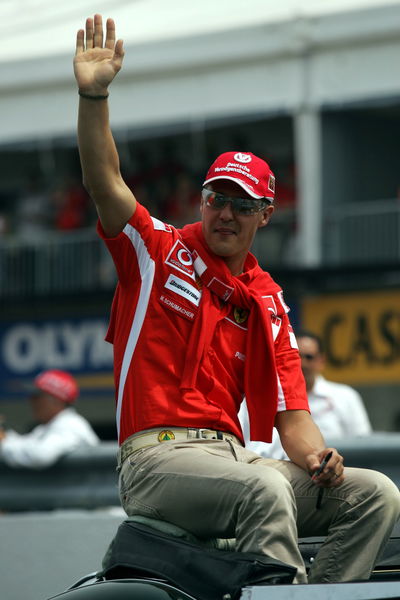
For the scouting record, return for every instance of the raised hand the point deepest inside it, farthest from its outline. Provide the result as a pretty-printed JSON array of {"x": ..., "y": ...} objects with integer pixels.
[{"x": 97, "y": 61}]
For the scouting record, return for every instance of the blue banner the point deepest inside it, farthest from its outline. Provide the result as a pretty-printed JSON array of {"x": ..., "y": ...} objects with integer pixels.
[{"x": 74, "y": 345}]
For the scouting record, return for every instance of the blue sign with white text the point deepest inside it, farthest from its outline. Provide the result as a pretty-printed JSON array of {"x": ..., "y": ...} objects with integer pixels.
[{"x": 74, "y": 345}]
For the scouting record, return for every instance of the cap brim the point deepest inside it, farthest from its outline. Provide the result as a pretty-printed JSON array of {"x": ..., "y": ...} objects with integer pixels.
[{"x": 239, "y": 182}]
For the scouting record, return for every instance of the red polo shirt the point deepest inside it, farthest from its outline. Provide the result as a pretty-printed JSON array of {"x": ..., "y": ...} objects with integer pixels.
[{"x": 154, "y": 306}]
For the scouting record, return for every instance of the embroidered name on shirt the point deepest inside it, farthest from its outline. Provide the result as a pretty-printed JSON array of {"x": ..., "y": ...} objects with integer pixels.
[
  {"x": 184, "y": 312},
  {"x": 184, "y": 289}
]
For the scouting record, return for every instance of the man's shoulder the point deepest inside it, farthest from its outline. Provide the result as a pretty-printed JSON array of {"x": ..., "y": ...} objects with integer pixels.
[
  {"x": 70, "y": 420},
  {"x": 68, "y": 416}
]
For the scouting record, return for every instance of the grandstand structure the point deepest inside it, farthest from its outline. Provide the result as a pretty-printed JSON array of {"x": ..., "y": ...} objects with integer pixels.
[{"x": 314, "y": 87}]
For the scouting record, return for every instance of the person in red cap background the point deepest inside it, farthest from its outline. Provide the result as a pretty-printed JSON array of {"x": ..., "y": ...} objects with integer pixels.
[
  {"x": 61, "y": 429},
  {"x": 196, "y": 325}
]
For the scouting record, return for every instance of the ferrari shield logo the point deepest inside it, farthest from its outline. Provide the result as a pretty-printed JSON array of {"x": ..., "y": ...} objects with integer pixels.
[
  {"x": 165, "y": 436},
  {"x": 240, "y": 314}
]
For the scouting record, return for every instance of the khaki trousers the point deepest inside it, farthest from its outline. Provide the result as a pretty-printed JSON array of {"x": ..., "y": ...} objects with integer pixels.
[{"x": 217, "y": 488}]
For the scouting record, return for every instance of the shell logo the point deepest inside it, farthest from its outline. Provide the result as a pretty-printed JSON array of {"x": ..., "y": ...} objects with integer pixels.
[{"x": 166, "y": 435}]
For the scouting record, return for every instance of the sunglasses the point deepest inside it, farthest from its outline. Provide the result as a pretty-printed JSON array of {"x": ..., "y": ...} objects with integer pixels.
[
  {"x": 240, "y": 206},
  {"x": 308, "y": 356}
]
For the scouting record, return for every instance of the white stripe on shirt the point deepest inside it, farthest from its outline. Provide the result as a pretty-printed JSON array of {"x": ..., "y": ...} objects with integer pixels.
[{"x": 147, "y": 270}]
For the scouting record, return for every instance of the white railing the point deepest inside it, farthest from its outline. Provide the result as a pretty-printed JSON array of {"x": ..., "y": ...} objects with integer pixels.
[
  {"x": 55, "y": 263},
  {"x": 363, "y": 233}
]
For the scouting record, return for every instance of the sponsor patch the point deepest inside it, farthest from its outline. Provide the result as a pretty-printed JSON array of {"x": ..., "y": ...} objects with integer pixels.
[
  {"x": 183, "y": 288},
  {"x": 181, "y": 259},
  {"x": 238, "y": 167},
  {"x": 269, "y": 303},
  {"x": 166, "y": 435},
  {"x": 242, "y": 158},
  {"x": 220, "y": 288},
  {"x": 199, "y": 264},
  {"x": 240, "y": 314},
  {"x": 276, "y": 323},
  {"x": 178, "y": 308},
  {"x": 281, "y": 300},
  {"x": 160, "y": 226},
  {"x": 271, "y": 183}
]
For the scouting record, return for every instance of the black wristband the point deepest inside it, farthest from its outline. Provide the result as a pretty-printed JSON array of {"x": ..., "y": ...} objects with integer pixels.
[{"x": 89, "y": 97}]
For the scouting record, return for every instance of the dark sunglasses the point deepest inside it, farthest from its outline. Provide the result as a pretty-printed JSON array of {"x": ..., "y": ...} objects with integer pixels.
[
  {"x": 308, "y": 356},
  {"x": 240, "y": 206}
]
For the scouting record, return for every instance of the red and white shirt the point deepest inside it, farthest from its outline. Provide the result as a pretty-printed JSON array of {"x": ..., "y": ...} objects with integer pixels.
[{"x": 154, "y": 306}]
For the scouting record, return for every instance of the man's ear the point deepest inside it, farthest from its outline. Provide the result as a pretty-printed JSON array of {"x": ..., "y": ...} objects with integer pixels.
[{"x": 266, "y": 215}]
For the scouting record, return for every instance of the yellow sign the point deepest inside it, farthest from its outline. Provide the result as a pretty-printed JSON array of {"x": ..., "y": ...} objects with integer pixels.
[{"x": 360, "y": 333}]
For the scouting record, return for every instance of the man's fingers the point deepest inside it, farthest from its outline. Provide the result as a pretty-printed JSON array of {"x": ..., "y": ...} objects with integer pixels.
[
  {"x": 89, "y": 33},
  {"x": 98, "y": 31},
  {"x": 80, "y": 41},
  {"x": 110, "y": 34},
  {"x": 119, "y": 53},
  {"x": 336, "y": 480}
]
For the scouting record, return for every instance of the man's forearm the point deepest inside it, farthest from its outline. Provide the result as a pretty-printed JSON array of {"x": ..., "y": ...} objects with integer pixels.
[
  {"x": 98, "y": 153},
  {"x": 300, "y": 437}
]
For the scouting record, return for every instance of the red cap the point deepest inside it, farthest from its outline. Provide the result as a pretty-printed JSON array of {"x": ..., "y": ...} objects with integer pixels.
[
  {"x": 247, "y": 170},
  {"x": 59, "y": 384}
]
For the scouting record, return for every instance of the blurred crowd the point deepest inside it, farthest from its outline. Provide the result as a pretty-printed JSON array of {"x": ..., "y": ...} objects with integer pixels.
[
  {"x": 37, "y": 208},
  {"x": 167, "y": 188}
]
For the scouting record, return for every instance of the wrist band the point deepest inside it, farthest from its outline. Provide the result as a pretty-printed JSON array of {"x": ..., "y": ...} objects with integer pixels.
[{"x": 89, "y": 97}]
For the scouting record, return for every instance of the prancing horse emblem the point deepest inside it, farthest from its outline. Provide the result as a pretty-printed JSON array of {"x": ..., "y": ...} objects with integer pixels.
[{"x": 240, "y": 314}]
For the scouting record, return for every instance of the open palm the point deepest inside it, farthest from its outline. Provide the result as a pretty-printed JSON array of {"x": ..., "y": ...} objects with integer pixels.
[{"x": 96, "y": 63}]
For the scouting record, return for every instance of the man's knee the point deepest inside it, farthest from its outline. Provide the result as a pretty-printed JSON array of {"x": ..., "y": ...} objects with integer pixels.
[{"x": 378, "y": 488}]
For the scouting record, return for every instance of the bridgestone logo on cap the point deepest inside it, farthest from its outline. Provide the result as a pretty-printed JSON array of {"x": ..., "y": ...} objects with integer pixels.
[{"x": 242, "y": 158}]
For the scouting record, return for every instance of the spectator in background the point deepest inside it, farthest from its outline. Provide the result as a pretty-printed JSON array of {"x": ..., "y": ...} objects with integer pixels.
[
  {"x": 337, "y": 409},
  {"x": 73, "y": 209},
  {"x": 182, "y": 204},
  {"x": 33, "y": 210},
  {"x": 61, "y": 428}
]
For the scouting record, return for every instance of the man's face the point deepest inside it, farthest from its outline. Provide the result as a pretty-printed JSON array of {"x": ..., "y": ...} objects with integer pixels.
[
  {"x": 228, "y": 234},
  {"x": 312, "y": 361},
  {"x": 45, "y": 407}
]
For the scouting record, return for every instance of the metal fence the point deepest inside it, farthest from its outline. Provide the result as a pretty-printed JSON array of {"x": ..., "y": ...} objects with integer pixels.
[
  {"x": 56, "y": 263},
  {"x": 363, "y": 233}
]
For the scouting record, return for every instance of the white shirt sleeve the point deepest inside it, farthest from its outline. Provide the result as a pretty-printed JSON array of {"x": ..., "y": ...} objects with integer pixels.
[
  {"x": 354, "y": 414},
  {"x": 45, "y": 444}
]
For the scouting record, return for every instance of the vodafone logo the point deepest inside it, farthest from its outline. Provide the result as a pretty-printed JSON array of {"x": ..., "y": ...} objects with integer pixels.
[
  {"x": 184, "y": 257},
  {"x": 242, "y": 158},
  {"x": 181, "y": 259}
]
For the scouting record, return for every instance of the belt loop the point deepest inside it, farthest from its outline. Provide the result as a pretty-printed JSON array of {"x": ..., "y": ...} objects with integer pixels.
[{"x": 220, "y": 435}]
